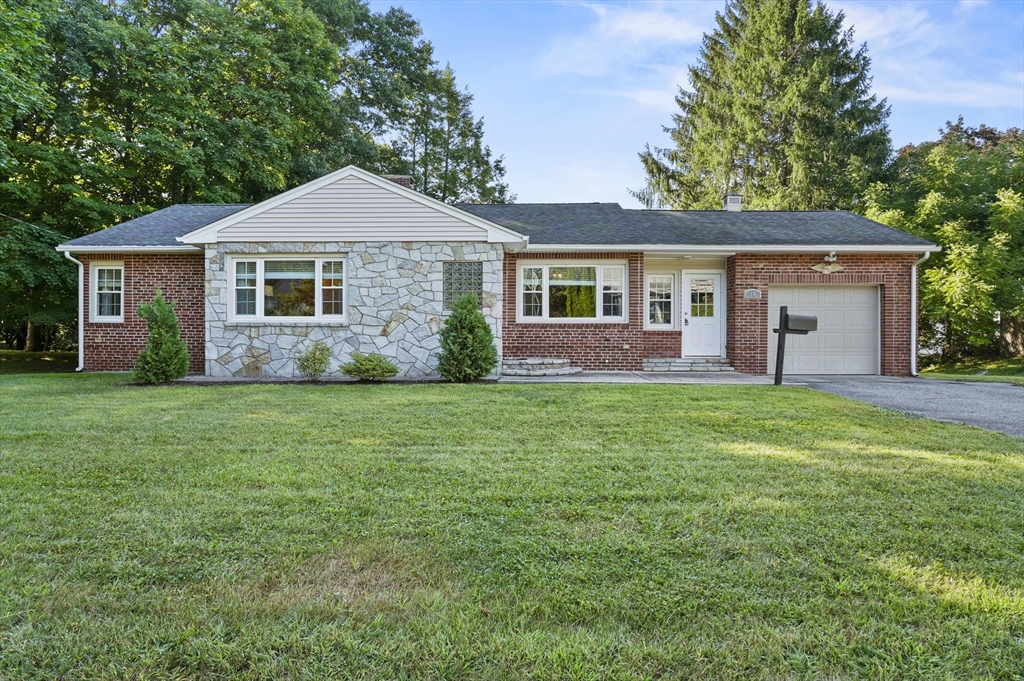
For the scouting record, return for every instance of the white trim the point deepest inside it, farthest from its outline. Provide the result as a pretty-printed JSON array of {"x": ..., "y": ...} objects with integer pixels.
[
  {"x": 495, "y": 233},
  {"x": 94, "y": 293},
  {"x": 81, "y": 309},
  {"x": 259, "y": 319},
  {"x": 721, "y": 300},
  {"x": 673, "y": 310},
  {"x": 725, "y": 251},
  {"x": 598, "y": 264},
  {"x": 66, "y": 248}
]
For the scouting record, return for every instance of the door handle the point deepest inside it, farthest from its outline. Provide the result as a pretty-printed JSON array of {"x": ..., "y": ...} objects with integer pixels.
[{"x": 686, "y": 322}]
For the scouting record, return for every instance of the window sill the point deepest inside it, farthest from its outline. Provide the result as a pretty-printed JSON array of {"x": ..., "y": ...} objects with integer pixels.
[
  {"x": 107, "y": 320},
  {"x": 286, "y": 322},
  {"x": 568, "y": 320}
]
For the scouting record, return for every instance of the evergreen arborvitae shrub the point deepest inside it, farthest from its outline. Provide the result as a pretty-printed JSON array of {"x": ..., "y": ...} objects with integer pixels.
[
  {"x": 467, "y": 343},
  {"x": 165, "y": 357}
]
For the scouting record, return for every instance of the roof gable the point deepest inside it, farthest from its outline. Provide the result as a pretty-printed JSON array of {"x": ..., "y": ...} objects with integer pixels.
[{"x": 352, "y": 205}]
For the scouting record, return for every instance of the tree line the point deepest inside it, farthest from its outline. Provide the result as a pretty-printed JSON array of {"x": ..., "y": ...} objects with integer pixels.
[
  {"x": 779, "y": 109},
  {"x": 112, "y": 109}
]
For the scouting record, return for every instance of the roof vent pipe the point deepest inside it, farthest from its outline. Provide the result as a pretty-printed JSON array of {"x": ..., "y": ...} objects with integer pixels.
[{"x": 733, "y": 202}]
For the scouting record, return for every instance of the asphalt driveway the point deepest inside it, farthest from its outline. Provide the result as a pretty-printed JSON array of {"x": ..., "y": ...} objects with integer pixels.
[{"x": 994, "y": 406}]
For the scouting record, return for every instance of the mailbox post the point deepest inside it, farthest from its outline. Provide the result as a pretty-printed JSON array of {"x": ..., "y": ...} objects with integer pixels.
[{"x": 798, "y": 324}]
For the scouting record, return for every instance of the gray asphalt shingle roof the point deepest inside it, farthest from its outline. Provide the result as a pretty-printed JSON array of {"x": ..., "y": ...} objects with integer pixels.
[
  {"x": 585, "y": 224},
  {"x": 161, "y": 227},
  {"x": 595, "y": 224}
]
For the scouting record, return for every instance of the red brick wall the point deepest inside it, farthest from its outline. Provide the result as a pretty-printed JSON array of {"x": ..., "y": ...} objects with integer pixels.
[
  {"x": 181, "y": 277},
  {"x": 612, "y": 347},
  {"x": 747, "y": 323}
]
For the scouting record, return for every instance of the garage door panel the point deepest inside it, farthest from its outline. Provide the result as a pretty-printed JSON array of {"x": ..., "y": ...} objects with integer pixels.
[
  {"x": 863, "y": 297},
  {"x": 832, "y": 319},
  {"x": 807, "y": 296},
  {"x": 864, "y": 342},
  {"x": 835, "y": 296},
  {"x": 832, "y": 341},
  {"x": 847, "y": 338},
  {"x": 862, "y": 319}
]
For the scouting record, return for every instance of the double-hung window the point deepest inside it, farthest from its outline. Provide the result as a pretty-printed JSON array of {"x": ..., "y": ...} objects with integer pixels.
[
  {"x": 108, "y": 292},
  {"x": 572, "y": 292},
  {"x": 659, "y": 301},
  {"x": 288, "y": 288}
]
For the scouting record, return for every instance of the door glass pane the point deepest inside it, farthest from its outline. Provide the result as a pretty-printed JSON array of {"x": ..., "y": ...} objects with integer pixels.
[
  {"x": 702, "y": 297},
  {"x": 573, "y": 292},
  {"x": 611, "y": 291},
  {"x": 288, "y": 288},
  {"x": 660, "y": 299},
  {"x": 533, "y": 295}
]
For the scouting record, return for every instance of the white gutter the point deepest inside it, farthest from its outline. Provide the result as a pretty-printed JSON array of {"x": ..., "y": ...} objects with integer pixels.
[
  {"x": 64, "y": 248},
  {"x": 913, "y": 313},
  {"x": 81, "y": 310},
  {"x": 773, "y": 248}
]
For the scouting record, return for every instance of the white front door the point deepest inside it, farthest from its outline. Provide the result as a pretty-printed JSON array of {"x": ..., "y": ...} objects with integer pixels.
[{"x": 702, "y": 315}]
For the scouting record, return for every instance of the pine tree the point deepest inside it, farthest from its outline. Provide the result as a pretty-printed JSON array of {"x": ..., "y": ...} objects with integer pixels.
[
  {"x": 165, "y": 357},
  {"x": 467, "y": 343},
  {"x": 780, "y": 111}
]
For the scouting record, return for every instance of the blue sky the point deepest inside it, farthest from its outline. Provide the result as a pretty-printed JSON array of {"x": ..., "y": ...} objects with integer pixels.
[{"x": 570, "y": 92}]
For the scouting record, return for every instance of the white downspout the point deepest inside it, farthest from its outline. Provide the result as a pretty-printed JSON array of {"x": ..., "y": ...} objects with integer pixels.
[
  {"x": 913, "y": 313},
  {"x": 81, "y": 310}
]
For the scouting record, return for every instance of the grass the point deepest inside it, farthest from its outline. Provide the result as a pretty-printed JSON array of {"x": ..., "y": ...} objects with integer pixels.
[
  {"x": 1002, "y": 369},
  {"x": 514, "y": 531},
  {"x": 20, "y": 362}
]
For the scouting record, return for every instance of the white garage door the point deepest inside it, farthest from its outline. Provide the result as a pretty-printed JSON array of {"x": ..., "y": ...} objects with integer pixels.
[{"x": 846, "y": 341}]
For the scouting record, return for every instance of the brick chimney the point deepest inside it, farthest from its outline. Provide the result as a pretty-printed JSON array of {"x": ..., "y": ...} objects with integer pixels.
[{"x": 404, "y": 180}]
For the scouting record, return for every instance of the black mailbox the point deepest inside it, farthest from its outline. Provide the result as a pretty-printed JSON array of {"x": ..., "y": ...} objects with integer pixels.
[{"x": 801, "y": 323}]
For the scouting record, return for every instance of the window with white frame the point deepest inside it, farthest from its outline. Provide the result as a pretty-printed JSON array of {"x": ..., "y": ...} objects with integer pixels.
[
  {"x": 659, "y": 300},
  {"x": 290, "y": 287},
  {"x": 572, "y": 291},
  {"x": 108, "y": 292}
]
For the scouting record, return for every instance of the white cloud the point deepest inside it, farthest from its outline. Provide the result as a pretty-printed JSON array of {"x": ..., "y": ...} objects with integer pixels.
[
  {"x": 920, "y": 57},
  {"x": 623, "y": 37}
]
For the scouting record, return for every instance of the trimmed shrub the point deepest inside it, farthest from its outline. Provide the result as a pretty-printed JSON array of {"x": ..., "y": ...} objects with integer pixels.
[
  {"x": 314, "y": 361},
  {"x": 165, "y": 357},
  {"x": 371, "y": 367},
  {"x": 467, "y": 343}
]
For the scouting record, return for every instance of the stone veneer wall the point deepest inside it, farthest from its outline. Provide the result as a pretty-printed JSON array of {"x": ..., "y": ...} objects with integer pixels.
[{"x": 394, "y": 307}]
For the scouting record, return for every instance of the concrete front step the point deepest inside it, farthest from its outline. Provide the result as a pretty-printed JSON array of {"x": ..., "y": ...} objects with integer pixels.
[
  {"x": 537, "y": 367},
  {"x": 688, "y": 364}
]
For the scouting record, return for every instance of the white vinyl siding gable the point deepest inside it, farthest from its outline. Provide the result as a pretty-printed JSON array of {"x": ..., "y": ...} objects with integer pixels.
[{"x": 351, "y": 209}]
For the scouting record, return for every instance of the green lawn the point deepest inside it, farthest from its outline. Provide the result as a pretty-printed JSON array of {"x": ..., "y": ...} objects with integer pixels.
[
  {"x": 1003, "y": 369},
  {"x": 19, "y": 362},
  {"x": 500, "y": 531}
]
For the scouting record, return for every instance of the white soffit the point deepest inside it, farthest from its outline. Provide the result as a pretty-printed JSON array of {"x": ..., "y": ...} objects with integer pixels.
[{"x": 352, "y": 204}]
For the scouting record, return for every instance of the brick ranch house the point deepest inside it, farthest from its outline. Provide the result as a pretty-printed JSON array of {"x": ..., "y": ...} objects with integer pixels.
[{"x": 366, "y": 264}]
